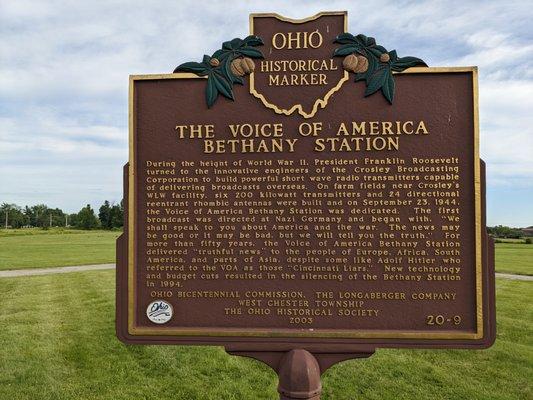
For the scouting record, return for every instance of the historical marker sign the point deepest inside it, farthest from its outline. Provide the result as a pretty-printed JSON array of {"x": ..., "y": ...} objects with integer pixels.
[{"x": 336, "y": 203}]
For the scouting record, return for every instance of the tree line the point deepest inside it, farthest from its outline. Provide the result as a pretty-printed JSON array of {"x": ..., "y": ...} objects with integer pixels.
[
  {"x": 110, "y": 216},
  {"x": 505, "y": 232}
]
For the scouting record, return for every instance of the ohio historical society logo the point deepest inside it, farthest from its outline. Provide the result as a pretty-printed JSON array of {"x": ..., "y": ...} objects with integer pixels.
[{"x": 159, "y": 312}]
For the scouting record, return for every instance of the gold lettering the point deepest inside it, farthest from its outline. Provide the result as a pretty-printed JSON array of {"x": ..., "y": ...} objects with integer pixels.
[
  {"x": 422, "y": 128},
  {"x": 297, "y": 40}
]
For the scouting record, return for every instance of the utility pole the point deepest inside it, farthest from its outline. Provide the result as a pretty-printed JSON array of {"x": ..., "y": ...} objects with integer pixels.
[
  {"x": 66, "y": 220},
  {"x": 6, "y": 218},
  {"x": 50, "y": 220}
]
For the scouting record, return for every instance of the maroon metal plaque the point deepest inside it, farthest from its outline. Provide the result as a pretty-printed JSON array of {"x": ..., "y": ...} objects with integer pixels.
[{"x": 275, "y": 204}]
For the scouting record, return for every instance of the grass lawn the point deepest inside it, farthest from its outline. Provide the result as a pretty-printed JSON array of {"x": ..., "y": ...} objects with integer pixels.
[
  {"x": 505, "y": 240},
  {"x": 57, "y": 341},
  {"x": 36, "y": 248},
  {"x": 514, "y": 258}
]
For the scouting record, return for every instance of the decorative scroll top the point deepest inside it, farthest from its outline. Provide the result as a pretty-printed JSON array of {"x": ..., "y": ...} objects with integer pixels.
[
  {"x": 299, "y": 73},
  {"x": 225, "y": 67},
  {"x": 372, "y": 63}
]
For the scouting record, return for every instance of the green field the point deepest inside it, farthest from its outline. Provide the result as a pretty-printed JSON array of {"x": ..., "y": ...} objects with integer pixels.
[
  {"x": 36, "y": 248},
  {"x": 505, "y": 240},
  {"x": 57, "y": 342},
  {"x": 514, "y": 258}
]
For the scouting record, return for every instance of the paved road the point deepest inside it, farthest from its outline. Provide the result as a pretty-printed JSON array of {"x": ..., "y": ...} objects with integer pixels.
[
  {"x": 58, "y": 270},
  {"x": 78, "y": 268},
  {"x": 514, "y": 277}
]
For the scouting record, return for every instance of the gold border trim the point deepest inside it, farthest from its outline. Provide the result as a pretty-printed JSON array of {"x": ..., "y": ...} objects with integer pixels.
[
  {"x": 296, "y": 20},
  {"x": 320, "y": 102},
  {"x": 179, "y": 75},
  {"x": 131, "y": 183},
  {"x": 317, "y": 333},
  {"x": 304, "y": 333},
  {"x": 477, "y": 205}
]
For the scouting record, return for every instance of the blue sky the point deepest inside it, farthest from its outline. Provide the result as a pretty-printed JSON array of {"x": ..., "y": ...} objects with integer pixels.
[{"x": 64, "y": 69}]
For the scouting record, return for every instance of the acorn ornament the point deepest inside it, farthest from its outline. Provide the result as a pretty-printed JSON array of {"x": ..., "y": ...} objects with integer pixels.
[
  {"x": 242, "y": 66},
  {"x": 214, "y": 62},
  {"x": 362, "y": 64},
  {"x": 355, "y": 63},
  {"x": 384, "y": 58}
]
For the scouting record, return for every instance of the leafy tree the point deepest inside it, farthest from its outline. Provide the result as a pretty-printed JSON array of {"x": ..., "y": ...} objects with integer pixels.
[
  {"x": 15, "y": 216},
  {"x": 37, "y": 215},
  {"x": 73, "y": 220},
  {"x": 58, "y": 217},
  {"x": 43, "y": 216},
  {"x": 86, "y": 218},
  {"x": 111, "y": 215},
  {"x": 502, "y": 231},
  {"x": 104, "y": 214},
  {"x": 117, "y": 215}
]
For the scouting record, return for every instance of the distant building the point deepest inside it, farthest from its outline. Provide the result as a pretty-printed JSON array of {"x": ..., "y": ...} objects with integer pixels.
[{"x": 527, "y": 231}]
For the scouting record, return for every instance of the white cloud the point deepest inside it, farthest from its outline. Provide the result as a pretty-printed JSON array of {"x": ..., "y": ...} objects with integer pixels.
[
  {"x": 507, "y": 132},
  {"x": 64, "y": 68}
]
